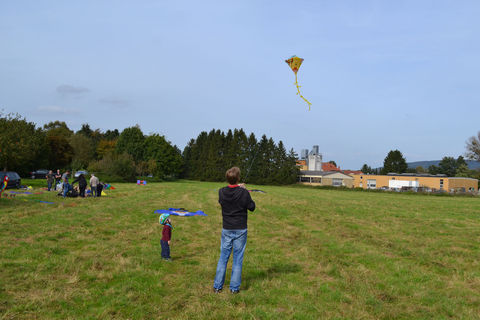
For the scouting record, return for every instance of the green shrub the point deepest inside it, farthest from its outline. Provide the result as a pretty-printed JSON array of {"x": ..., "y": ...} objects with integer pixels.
[
  {"x": 150, "y": 179},
  {"x": 114, "y": 168}
]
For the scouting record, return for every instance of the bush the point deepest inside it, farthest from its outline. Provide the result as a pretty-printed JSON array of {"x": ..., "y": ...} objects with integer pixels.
[
  {"x": 150, "y": 179},
  {"x": 114, "y": 168}
]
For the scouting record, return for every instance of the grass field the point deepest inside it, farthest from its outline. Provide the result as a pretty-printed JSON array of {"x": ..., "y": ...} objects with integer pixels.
[{"x": 311, "y": 254}]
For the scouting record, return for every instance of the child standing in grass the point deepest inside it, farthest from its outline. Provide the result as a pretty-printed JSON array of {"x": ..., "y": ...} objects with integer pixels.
[{"x": 166, "y": 235}]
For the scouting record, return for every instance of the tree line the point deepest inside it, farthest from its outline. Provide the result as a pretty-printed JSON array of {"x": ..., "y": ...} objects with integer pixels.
[
  {"x": 126, "y": 155},
  {"x": 261, "y": 162},
  {"x": 395, "y": 162},
  {"x": 24, "y": 147}
]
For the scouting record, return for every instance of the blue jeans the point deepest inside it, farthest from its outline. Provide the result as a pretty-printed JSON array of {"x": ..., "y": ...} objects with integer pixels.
[
  {"x": 236, "y": 241},
  {"x": 165, "y": 249},
  {"x": 66, "y": 188}
]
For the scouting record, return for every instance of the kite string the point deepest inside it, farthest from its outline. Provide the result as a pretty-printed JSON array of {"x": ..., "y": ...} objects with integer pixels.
[
  {"x": 298, "y": 92},
  {"x": 251, "y": 163}
]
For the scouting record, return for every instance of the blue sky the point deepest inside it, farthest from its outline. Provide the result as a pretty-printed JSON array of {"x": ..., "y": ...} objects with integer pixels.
[{"x": 381, "y": 75}]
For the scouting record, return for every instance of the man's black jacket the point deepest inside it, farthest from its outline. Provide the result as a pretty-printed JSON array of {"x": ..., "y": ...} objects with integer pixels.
[
  {"x": 235, "y": 201},
  {"x": 82, "y": 183}
]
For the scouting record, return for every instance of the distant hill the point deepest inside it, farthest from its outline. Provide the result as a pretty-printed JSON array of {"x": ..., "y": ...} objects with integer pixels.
[{"x": 472, "y": 165}]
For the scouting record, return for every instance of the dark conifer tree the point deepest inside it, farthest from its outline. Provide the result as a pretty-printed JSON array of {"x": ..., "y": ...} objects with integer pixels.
[
  {"x": 262, "y": 164},
  {"x": 188, "y": 159},
  {"x": 228, "y": 152},
  {"x": 293, "y": 170},
  {"x": 209, "y": 155},
  {"x": 200, "y": 162},
  {"x": 239, "y": 145},
  {"x": 251, "y": 173},
  {"x": 280, "y": 168}
]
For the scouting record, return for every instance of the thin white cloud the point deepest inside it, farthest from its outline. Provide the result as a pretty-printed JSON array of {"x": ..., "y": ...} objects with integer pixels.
[
  {"x": 57, "y": 110},
  {"x": 66, "y": 89},
  {"x": 120, "y": 103}
]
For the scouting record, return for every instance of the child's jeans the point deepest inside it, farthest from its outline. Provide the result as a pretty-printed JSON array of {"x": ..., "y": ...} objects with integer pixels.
[{"x": 165, "y": 249}]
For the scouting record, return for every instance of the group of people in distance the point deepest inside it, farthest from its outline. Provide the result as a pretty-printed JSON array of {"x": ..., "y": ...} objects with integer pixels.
[{"x": 60, "y": 182}]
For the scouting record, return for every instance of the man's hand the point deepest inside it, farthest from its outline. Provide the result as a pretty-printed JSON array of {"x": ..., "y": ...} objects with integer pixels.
[
  {"x": 242, "y": 185},
  {"x": 168, "y": 242}
]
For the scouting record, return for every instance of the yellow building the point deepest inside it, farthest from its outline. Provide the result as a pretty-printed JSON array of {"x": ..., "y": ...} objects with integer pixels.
[
  {"x": 415, "y": 181},
  {"x": 325, "y": 178},
  {"x": 302, "y": 164}
]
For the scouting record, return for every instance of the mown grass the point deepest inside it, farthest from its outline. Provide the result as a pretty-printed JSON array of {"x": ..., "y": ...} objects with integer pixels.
[{"x": 311, "y": 254}]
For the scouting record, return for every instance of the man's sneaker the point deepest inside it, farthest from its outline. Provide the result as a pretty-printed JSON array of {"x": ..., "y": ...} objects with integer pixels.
[
  {"x": 215, "y": 290},
  {"x": 234, "y": 291}
]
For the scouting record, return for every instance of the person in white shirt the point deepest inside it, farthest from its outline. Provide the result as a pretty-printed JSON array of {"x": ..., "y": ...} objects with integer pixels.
[{"x": 93, "y": 184}]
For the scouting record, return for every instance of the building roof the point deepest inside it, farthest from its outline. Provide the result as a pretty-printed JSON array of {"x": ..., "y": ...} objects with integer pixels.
[
  {"x": 327, "y": 166},
  {"x": 423, "y": 175},
  {"x": 322, "y": 173},
  {"x": 352, "y": 171},
  {"x": 411, "y": 174}
]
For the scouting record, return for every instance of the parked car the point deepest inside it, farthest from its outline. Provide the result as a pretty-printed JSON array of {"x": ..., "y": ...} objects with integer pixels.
[
  {"x": 14, "y": 180},
  {"x": 79, "y": 172},
  {"x": 39, "y": 174}
]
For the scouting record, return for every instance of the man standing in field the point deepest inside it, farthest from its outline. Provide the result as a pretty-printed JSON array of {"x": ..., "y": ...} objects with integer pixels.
[
  {"x": 93, "y": 185},
  {"x": 58, "y": 177},
  {"x": 50, "y": 180},
  {"x": 235, "y": 200}
]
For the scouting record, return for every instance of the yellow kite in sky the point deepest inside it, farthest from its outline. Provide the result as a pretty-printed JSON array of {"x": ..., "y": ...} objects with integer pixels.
[{"x": 295, "y": 62}]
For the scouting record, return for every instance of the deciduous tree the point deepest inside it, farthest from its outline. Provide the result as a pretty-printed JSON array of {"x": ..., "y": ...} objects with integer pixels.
[
  {"x": 83, "y": 150},
  {"x": 105, "y": 147},
  {"x": 61, "y": 152},
  {"x": 420, "y": 169},
  {"x": 168, "y": 159},
  {"x": 131, "y": 141},
  {"x": 473, "y": 147},
  {"x": 23, "y": 147}
]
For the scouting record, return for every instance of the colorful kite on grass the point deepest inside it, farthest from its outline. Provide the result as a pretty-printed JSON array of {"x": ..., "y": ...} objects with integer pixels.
[
  {"x": 295, "y": 62},
  {"x": 3, "y": 186},
  {"x": 40, "y": 201},
  {"x": 16, "y": 192},
  {"x": 180, "y": 212}
]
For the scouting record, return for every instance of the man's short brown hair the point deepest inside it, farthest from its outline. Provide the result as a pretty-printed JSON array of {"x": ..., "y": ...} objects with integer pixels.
[{"x": 233, "y": 175}]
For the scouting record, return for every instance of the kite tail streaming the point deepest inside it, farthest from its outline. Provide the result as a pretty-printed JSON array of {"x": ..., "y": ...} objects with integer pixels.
[{"x": 298, "y": 92}]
